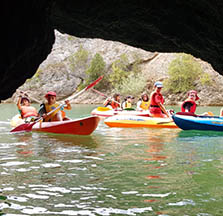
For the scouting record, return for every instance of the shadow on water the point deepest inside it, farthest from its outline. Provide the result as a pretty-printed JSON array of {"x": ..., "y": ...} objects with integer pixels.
[
  {"x": 63, "y": 139},
  {"x": 199, "y": 133}
]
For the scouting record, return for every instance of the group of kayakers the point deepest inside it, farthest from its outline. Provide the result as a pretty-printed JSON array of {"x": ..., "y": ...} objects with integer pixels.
[
  {"x": 154, "y": 102},
  {"x": 29, "y": 113}
]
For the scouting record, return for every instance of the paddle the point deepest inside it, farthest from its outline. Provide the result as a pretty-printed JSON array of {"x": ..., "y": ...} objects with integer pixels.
[
  {"x": 26, "y": 127},
  {"x": 105, "y": 96}
]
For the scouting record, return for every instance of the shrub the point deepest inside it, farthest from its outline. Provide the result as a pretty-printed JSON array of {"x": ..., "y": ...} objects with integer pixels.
[
  {"x": 78, "y": 59},
  {"x": 96, "y": 69},
  {"x": 133, "y": 84},
  {"x": 183, "y": 72}
]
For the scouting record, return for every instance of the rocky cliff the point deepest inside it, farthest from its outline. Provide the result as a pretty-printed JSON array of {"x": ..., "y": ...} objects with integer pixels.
[{"x": 56, "y": 73}]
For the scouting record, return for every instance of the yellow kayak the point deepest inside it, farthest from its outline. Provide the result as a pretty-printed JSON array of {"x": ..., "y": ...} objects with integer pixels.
[
  {"x": 129, "y": 121},
  {"x": 107, "y": 112}
]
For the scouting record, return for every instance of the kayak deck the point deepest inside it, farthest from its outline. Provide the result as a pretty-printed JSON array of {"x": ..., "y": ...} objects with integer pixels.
[
  {"x": 139, "y": 121},
  {"x": 211, "y": 123}
]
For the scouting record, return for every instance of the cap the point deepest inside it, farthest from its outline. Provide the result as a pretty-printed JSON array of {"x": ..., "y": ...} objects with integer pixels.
[
  {"x": 130, "y": 97},
  {"x": 52, "y": 93},
  {"x": 158, "y": 84},
  {"x": 193, "y": 92}
]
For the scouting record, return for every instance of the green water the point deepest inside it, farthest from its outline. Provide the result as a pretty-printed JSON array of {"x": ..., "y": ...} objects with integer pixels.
[{"x": 115, "y": 171}]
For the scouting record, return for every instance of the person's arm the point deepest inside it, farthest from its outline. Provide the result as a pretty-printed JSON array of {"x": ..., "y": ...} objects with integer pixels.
[
  {"x": 68, "y": 106},
  {"x": 19, "y": 102},
  {"x": 107, "y": 101}
]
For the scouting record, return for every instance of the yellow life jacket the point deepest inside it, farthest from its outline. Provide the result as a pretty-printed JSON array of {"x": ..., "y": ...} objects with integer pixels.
[
  {"x": 127, "y": 105},
  {"x": 145, "y": 105},
  {"x": 49, "y": 108}
]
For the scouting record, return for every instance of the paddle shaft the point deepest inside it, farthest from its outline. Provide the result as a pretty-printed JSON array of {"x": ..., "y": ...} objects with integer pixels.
[{"x": 105, "y": 96}]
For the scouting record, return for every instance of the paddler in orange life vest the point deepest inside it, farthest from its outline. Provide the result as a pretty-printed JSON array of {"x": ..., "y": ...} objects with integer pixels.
[
  {"x": 156, "y": 107},
  {"x": 51, "y": 104},
  {"x": 143, "y": 103},
  {"x": 27, "y": 112},
  {"x": 113, "y": 103},
  {"x": 189, "y": 105}
]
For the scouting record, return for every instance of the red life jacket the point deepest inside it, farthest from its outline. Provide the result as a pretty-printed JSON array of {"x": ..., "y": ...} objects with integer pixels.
[
  {"x": 114, "y": 105},
  {"x": 153, "y": 102},
  {"x": 188, "y": 105},
  {"x": 27, "y": 111}
]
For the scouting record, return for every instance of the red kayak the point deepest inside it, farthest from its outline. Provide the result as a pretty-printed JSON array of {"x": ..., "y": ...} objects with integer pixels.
[{"x": 83, "y": 126}]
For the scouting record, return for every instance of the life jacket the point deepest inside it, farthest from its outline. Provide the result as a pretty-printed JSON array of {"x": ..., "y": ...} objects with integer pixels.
[
  {"x": 145, "y": 105},
  {"x": 49, "y": 108},
  {"x": 127, "y": 104},
  {"x": 188, "y": 105},
  {"x": 27, "y": 111},
  {"x": 114, "y": 105},
  {"x": 153, "y": 101},
  {"x": 154, "y": 108}
]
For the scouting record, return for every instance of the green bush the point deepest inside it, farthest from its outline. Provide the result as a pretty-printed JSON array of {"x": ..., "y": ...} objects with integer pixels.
[
  {"x": 183, "y": 72},
  {"x": 96, "y": 69},
  {"x": 133, "y": 84},
  {"x": 78, "y": 59},
  {"x": 119, "y": 71}
]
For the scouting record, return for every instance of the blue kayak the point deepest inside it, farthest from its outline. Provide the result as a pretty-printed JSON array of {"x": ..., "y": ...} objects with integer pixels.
[{"x": 195, "y": 122}]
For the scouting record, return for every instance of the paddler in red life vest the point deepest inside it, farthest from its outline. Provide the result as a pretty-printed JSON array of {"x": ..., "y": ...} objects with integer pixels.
[
  {"x": 189, "y": 105},
  {"x": 51, "y": 104},
  {"x": 27, "y": 112},
  {"x": 143, "y": 103},
  {"x": 113, "y": 103},
  {"x": 156, "y": 107}
]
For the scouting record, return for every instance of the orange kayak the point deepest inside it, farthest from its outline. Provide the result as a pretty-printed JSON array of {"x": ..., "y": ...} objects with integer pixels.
[{"x": 83, "y": 126}]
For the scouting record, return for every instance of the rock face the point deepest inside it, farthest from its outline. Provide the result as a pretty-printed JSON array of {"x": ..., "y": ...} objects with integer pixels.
[
  {"x": 191, "y": 26},
  {"x": 55, "y": 73}
]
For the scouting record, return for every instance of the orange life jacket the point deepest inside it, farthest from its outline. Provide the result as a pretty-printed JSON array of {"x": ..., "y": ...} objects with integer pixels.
[
  {"x": 27, "y": 111},
  {"x": 114, "y": 105},
  {"x": 191, "y": 106}
]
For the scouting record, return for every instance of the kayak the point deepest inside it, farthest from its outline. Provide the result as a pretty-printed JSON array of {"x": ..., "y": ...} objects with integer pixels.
[
  {"x": 139, "y": 121},
  {"x": 82, "y": 126},
  {"x": 195, "y": 122},
  {"x": 106, "y": 112}
]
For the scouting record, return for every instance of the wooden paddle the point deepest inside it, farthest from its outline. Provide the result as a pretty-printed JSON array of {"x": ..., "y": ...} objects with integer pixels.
[{"x": 26, "y": 127}]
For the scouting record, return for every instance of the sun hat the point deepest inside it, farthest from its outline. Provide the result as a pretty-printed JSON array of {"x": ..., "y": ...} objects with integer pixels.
[
  {"x": 50, "y": 93},
  {"x": 193, "y": 92},
  {"x": 158, "y": 84}
]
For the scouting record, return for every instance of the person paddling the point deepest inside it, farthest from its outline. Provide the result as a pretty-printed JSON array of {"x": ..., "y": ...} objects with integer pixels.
[
  {"x": 114, "y": 102},
  {"x": 189, "y": 105},
  {"x": 28, "y": 112},
  {"x": 156, "y": 107},
  {"x": 143, "y": 103},
  {"x": 51, "y": 104}
]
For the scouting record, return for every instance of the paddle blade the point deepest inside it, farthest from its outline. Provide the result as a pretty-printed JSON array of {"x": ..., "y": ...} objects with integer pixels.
[
  {"x": 26, "y": 127},
  {"x": 94, "y": 83}
]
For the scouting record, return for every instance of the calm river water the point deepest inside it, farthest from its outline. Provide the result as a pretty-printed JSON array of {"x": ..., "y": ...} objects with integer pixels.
[{"x": 115, "y": 171}]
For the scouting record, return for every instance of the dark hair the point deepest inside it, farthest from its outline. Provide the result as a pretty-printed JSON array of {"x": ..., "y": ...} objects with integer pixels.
[
  {"x": 116, "y": 95},
  {"x": 25, "y": 98},
  {"x": 146, "y": 96}
]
